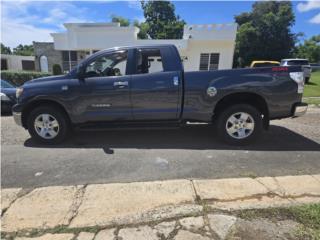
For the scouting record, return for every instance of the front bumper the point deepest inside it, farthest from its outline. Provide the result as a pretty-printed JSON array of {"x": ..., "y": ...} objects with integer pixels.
[
  {"x": 17, "y": 116},
  {"x": 300, "y": 109}
]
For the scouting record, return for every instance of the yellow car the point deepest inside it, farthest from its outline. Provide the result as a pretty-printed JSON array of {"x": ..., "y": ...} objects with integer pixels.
[{"x": 266, "y": 63}]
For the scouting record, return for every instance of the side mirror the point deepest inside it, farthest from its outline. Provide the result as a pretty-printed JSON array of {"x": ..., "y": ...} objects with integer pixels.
[{"x": 81, "y": 72}]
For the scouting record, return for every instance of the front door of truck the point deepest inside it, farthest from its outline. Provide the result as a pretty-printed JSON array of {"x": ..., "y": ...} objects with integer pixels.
[
  {"x": 107, "y": 88},
  {"x": 155, "y": 93}
]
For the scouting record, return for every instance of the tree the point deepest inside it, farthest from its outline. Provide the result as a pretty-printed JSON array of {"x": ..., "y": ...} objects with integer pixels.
[
  {"x": 144, "y": 27},
  {"x": 265, "y": 33},
  {"x": 162, "y": 23},
  {"x": 5, "y": 49},
  {"x": 124, "y": 22},
  {"x": 23, "y": 50},
  {"x": 56, "y": 69},
  {"x": 310, "y": 49}
]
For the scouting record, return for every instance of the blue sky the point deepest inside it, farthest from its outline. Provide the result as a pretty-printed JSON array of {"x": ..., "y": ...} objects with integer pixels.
[{"x": 26, "y": 21}]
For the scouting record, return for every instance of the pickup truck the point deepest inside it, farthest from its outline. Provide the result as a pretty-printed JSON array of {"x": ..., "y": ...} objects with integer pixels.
[{"x": 146, "y": 86}]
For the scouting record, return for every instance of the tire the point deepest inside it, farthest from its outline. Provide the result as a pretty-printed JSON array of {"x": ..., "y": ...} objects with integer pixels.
[
  {"x": 54, "y": 132},
  {"x": 242, "y": 132}
]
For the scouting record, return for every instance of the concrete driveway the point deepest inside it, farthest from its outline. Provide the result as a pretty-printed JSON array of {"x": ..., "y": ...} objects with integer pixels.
[{"x": 290, "y": 147}]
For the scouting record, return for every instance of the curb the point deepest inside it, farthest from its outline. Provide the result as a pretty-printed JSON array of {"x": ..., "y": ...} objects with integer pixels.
[{"x": 108, "y": 205}]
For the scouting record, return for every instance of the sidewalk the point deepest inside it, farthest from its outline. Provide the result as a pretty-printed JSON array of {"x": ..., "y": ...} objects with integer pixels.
[{"x": 177, "y": 209}]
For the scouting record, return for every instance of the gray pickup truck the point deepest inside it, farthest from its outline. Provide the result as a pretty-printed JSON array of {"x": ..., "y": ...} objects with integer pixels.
[{"x": 146, "y": 86}]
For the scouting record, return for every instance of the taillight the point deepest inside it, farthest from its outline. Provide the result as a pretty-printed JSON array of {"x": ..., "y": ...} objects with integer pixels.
[{"x": 299, "y": 79}]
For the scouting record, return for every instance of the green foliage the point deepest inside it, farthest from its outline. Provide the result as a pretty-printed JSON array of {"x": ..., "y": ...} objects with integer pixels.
[
  {"x": 5, "y": 49},
  {"x": 312, "y": 89},
  {"x": 162, "y": 23},
  {"x": 144, "y": 27},
  {"x": 310, "y": 49},
  {"x": 23, "y": 50},
  {"x": 20, "y": 77},
  {"x": 124, "y": 22},
  {"x": 264, "y": 33},
  {"x": 56, "y": 69}
]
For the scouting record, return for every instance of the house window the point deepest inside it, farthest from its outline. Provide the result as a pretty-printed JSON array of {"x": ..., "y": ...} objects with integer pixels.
[
  {"x": 4, "y": 64},
  {"x": 28, "y": 65},
  {"x": 209, "y": 61}
]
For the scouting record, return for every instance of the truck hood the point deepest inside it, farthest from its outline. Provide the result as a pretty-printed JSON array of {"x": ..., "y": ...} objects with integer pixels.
[{"x": 46, "y": 79}]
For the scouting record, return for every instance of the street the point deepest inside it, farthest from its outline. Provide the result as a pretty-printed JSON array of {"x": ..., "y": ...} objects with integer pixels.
[{"x": 290, "y": 147}]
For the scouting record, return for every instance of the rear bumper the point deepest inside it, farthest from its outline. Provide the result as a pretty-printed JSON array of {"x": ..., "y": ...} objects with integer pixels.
[{"x": 299, "y": 109}]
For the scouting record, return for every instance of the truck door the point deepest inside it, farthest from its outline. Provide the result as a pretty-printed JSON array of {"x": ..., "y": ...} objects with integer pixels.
[
  {"x": 106, "y": 88},
  {"x": 155, "y": 92}
]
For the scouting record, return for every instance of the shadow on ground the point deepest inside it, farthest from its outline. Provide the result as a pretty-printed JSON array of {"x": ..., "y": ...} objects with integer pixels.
[{"x": 199, "y": 137}]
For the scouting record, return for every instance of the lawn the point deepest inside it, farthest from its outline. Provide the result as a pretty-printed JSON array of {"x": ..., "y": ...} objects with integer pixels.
[
  {"x": 307, "y": 215},
  {"x": 312, "y": 89}
]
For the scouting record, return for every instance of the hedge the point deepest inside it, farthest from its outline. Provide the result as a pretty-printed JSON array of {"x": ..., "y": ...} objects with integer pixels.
[{"x": 20, "y": 77}]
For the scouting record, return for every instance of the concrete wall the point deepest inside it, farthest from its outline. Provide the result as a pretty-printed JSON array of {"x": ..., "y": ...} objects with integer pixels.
[
  {"x": 14, "y": 62},
  {"x": 46, "y": 49}
]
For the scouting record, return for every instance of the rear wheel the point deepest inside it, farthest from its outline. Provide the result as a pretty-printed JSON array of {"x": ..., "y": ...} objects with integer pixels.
[
  {"x": 48, "y": 124},
  {"x": 239, "y": 124}
]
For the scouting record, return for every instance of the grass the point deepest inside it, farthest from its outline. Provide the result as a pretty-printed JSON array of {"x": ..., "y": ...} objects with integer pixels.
[
  {"x": 307, "y": 215},
  {"x": 312, "y": 89}
]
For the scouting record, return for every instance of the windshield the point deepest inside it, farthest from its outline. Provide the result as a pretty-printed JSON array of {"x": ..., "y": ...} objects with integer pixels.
[
  {"x": 298, "y": 62},
  {"x": 5, "y": 84}
]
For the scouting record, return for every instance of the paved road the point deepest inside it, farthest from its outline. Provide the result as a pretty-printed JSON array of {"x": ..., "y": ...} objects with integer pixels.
[{"x": 291, "y": 146}]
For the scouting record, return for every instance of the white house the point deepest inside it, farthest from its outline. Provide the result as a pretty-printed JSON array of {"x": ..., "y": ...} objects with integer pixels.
[{"x": 203, "y": 47}]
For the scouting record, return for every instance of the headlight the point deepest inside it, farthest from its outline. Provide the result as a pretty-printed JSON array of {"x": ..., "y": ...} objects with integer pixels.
[
  {"x": 4, "y": 97},
  {"x": 19, "y": 92}
]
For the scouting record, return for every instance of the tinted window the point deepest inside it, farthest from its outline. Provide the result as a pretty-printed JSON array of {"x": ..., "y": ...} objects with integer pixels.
[
  {"x": 149, "y": 61},
  {"x": 111, "y": 64},
  {"x": 5, "y": 84},
  {"x": 265, "y": 64},
  {"x": 298, "y": 62},
  {"x": 28, "y": 65}
]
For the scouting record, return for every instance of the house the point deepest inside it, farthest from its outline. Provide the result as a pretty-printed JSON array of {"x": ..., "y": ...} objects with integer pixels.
[
  {"x": 203, "y": 47},
  {"x": 17, "y": 62}
]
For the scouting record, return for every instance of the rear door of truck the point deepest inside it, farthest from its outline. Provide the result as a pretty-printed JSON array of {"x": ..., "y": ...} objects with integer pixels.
[{"x": 156, "y": 84}]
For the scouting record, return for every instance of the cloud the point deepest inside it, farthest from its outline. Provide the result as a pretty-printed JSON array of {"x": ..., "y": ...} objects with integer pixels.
[
  {"x": 315, "y": 19},
  {"x": 134, "y": 4},
  {"x": 24, "y": 22},
  {"x": 308, "y": 6}
]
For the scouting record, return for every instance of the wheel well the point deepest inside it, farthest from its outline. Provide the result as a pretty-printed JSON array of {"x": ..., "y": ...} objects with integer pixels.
[
  {"x": 35, "y": 104},
  {"x": 252, "y": 99}
]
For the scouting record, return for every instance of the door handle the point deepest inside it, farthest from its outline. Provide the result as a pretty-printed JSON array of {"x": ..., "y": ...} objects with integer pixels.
[
  {"x": 121, "y": 84},
  {"x": 175, "y": 81}
]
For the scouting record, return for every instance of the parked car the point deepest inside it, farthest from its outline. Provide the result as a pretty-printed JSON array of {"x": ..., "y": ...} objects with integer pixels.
[
  {"x": 146, "y": 86},
  {"x": 304, "y": 63},
  {"x": 264, "y": 63},
  {"x": 8, "y": 96},
  {"x": 315, "y": 66}
]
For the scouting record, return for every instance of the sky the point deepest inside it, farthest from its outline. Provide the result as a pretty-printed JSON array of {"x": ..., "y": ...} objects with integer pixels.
[{"x": 25, "y": 21}]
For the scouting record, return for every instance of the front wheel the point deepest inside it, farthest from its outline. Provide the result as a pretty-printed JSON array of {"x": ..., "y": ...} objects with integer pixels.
[
  {"x": 239, "y": 124},
  {"x": 48, "y": 124}
]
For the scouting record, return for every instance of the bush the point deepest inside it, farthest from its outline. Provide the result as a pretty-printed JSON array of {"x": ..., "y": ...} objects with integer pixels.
[
  {"x": 18, "y": 78},
  {"x": 56, "y": 69}
]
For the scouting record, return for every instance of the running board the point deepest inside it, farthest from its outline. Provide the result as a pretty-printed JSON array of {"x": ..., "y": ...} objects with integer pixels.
[{"x": 129, "y": 125}]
